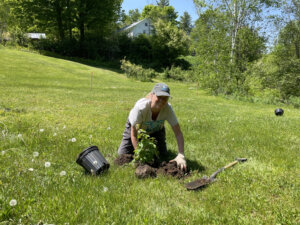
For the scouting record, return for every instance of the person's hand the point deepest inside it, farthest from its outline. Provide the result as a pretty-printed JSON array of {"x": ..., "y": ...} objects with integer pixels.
[{"x": 180, "y": 160}]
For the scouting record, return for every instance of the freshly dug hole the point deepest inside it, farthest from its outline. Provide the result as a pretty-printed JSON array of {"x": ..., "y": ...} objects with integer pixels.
[
  {"x": 167, "y": 169},
  {"x": 123, "y": 159}
]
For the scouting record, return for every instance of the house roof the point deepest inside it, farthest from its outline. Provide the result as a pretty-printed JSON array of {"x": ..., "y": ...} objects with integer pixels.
[{"x": 133, "y": 25}]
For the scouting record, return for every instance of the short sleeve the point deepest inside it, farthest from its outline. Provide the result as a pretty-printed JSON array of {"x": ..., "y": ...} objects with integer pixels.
[{"x": 135, "y": 116}]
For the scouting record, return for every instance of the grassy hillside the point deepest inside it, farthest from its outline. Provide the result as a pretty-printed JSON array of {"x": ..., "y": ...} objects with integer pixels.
[{"x": 46, "y": 102}]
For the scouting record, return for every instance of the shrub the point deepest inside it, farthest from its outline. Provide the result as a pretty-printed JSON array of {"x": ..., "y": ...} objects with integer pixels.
[
  {"x": 174, "y": 73},
  {"x": 146, "y": 149},
  {"x": 295, "y": 101},
  {"x": 136, "y": 71}
]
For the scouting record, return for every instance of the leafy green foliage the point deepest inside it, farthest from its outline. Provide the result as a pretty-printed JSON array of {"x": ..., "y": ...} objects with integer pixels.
[
  {"x": 186, "y": 22},
  {"x": 155, "y": 13},
  {"x": 146, "y": 150},
  {"x": 168, "y": 43},
  {"x": 289, "y": 39},
  {"x": 135, "y": 71},
  {"x": 133, "y": 16},
  {"x": 175, "y": 73}
]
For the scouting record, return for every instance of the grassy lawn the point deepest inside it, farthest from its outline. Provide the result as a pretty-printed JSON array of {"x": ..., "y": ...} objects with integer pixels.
[{"x": 46, "y": 102}]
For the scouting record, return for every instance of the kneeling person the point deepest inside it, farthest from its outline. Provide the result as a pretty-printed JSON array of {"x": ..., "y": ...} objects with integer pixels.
[{"x": 150, "y": 114}]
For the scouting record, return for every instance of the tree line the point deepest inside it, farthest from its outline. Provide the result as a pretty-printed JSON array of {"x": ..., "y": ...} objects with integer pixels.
[{"x": 225, "y": 50}]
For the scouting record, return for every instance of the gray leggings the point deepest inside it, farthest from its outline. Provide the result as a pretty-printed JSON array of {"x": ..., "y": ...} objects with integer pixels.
[{"x": 126, "y": 146}]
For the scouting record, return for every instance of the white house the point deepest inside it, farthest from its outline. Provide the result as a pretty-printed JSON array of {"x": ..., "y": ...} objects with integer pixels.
[
  {"x": 141, "y": 27},
  {"x": 36, "y": 36}
]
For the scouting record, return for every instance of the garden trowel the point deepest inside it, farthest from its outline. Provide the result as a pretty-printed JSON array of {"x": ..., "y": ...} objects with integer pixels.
[{"x": 200, "y": 183}]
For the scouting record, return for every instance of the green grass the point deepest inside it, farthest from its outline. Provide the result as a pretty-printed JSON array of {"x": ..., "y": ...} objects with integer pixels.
[{"x": 39, "y": 92}]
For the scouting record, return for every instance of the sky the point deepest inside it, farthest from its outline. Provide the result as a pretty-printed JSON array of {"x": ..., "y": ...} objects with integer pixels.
[{"x": 179, "y": 5}]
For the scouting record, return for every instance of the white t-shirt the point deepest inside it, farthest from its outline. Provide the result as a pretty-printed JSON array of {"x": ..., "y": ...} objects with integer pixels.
[{"x": 141, "y": 114}]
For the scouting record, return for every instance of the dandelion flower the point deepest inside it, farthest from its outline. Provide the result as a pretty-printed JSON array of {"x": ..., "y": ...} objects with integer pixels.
[
  {"x": 62, "y": 173},
  {"x": 42, "y": 130},
  {"x": 30, "y": 169},
  {"x": 47, "y": 164},
  {"x": 105, "y": 189},
  {"x": 19, "y": 135},
  {"x": 35, "y": 154},
  {"x": 73, "y": 139},
  {"x": 13, "y": 202},
  {"x": 54, "y": 134}
]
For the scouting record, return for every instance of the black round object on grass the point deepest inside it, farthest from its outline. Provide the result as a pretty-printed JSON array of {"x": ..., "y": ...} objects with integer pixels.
[
  {"x": 279, "y": 112},
  {"x": 92, "y": 160}
]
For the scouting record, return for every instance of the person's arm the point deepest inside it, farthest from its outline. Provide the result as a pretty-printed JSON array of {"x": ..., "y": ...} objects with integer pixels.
[
  {"x": 179, "y": 137},
  {"x": 180, "y": 159},
  {"x": 134, "y": 137}
]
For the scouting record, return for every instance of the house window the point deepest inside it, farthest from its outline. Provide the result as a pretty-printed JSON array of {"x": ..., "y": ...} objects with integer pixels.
[
  {"x": 146, "y": 24},
  {"x": 144, "y": 32}
]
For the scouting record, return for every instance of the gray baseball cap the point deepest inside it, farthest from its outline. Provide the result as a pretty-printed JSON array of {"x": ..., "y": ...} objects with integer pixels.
[{"x": 161, "y": 89}]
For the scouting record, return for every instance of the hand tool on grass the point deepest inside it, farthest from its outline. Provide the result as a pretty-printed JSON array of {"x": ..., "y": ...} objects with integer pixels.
[{"x": 200, "y": 183}]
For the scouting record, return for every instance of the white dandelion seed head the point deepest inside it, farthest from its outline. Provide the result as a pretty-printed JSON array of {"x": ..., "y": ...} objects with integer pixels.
[
  {"x": 62, "y": 173},
  {"x": 42, "y": 130},
  {"x": 30, "y": 169},
  {"x": 19, "y": 135},
  {"x": 13, "y": 202},
  {"x": 3, "y": 152},
  {"x": 35, "y": 154},
  {"x": 64, "y": 127},
  {"x": 105, "y": 189},
  {"x": 233, "y": 139},
  {"x": 91, "y": 136},
  {"x": 108, "y": 128},
  {"x": 54, "y": 134},
  {"x": 47, "y": 164},
  {"x": 73, "y": 139},
  {"x": 32, "y": 160}
]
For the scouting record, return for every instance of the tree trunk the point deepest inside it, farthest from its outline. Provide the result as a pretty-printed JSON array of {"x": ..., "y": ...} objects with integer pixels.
[
  {"x": 59, "y": 20},
  {"x": 69, "y": 19},
  {"x": 81, "y": 21}
]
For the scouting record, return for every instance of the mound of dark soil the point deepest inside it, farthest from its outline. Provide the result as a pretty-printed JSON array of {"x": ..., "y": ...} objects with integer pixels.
[
  {"x": 123, "y": 159},
  {"x": 171, "y": 169},
  {"x": 144, "y": 171},
  {"x": 167, "y": 169}
]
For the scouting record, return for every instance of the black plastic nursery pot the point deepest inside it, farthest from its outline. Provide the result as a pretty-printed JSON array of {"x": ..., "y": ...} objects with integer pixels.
[{"x": 92, "y": 160}]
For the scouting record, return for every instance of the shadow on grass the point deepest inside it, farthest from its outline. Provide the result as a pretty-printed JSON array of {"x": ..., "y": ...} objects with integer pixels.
[
  {"x": 111, "y": 65},
  {"x": 191, "y": 164}
]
